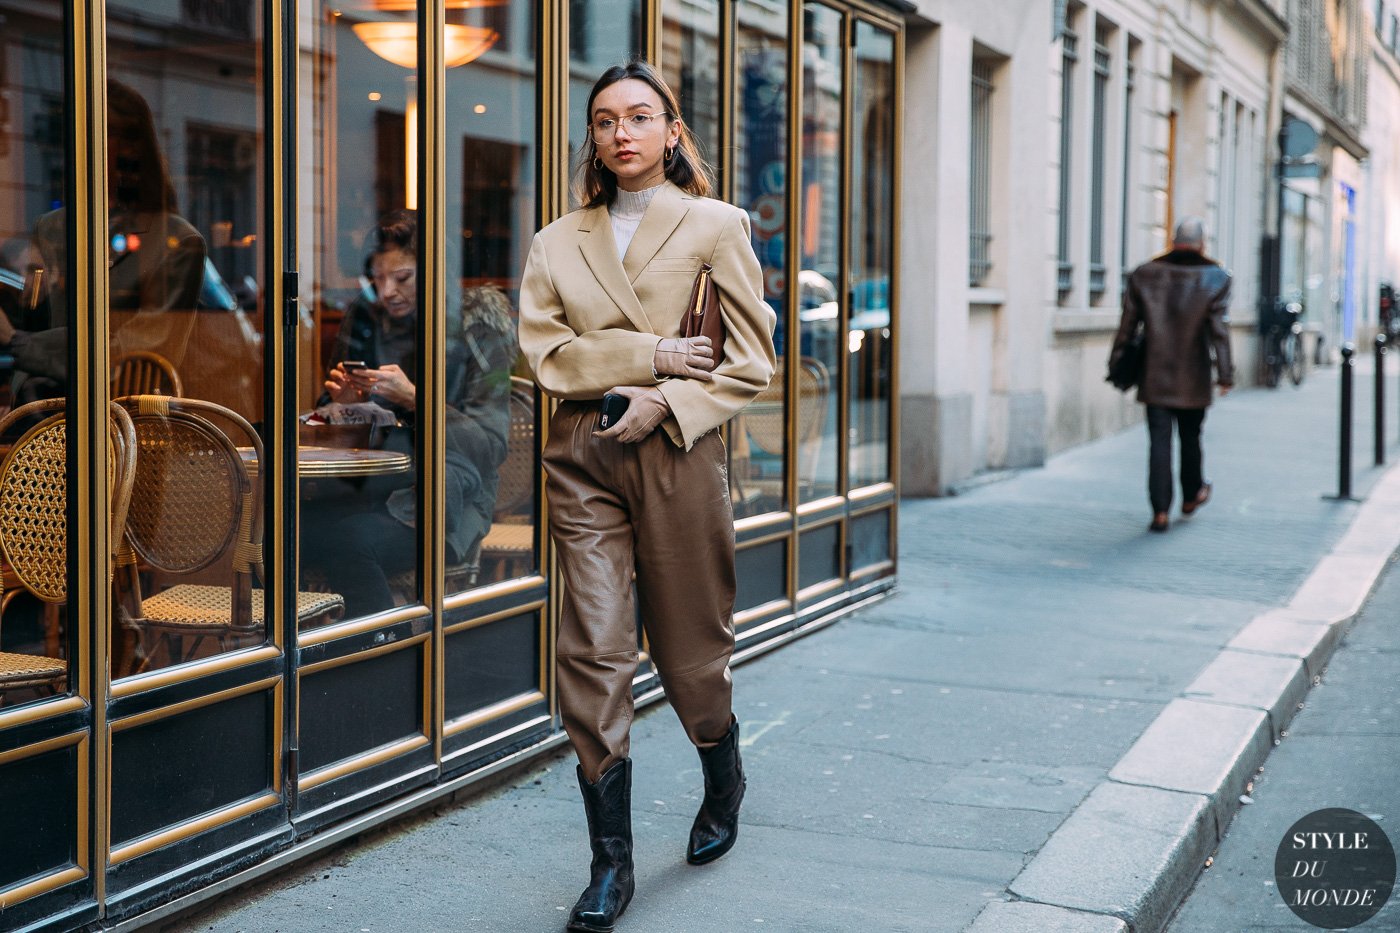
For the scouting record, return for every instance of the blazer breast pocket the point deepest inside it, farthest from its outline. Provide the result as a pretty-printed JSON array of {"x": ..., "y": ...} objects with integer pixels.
[{"x": 690, "y": 264}]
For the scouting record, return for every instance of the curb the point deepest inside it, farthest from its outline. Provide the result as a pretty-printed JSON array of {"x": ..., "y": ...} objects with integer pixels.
[{"x": 1128, "y": 855}]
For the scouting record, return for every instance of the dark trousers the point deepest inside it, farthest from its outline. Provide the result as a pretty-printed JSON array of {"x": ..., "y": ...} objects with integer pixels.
[
  {"x": 1159, "y": 458},
  {"x": 357, "y": 553}
]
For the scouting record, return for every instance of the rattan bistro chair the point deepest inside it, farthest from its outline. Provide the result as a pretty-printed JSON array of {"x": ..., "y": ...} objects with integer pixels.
[
  {"x": 142, "y": 372},
  {"x": 762, "y": 428},
  {"x": 34, "y": 520},
  {"x": 196, "y": 509},
  {"x": 511, "y": 540}
]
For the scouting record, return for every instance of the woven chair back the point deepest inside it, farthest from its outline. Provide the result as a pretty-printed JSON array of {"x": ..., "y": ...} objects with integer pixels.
[
  {"x": 142, "y": 372},
  {"x": 517, "y": 475},
  {"x": 34, "y": 494},
  {"x": 764, "y": 415},
  {"x": 193, "y": 497}
]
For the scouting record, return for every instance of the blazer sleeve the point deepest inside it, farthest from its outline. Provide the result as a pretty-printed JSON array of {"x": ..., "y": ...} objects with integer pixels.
[
  {"x": 749, "y": 360},
  {"x": 565, "y": 363}
]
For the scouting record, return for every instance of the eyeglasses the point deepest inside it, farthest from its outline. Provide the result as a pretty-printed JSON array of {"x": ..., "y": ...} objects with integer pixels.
[{"x": 638, "y": 124}]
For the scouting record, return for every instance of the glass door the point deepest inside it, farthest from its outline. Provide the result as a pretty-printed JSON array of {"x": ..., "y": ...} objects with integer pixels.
[
  {"x": 46, "y": 656},
  {"x": 362, "y": 398}
]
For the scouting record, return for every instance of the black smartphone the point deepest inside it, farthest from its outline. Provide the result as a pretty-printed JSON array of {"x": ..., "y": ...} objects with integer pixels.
[
  {"x": 351, "y": 365},
  {"x": 613, "y": 407}
]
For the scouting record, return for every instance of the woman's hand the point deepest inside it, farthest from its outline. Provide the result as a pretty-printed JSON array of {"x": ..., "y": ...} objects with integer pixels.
[
  {"x": 646, "y": 408},
  {"x": 341, "y": 387},
  {"x": 691, "y": 357},
  {"x": 389, "y": 383}
]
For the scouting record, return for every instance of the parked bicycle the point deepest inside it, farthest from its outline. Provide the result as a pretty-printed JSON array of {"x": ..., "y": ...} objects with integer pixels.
[{"x": 1283, "y": 346}]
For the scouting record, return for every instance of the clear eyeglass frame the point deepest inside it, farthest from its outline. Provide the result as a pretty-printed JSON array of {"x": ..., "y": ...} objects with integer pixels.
[{"x": 638, "y": 124}]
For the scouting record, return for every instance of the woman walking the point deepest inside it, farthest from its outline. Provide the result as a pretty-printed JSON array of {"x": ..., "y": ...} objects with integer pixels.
[{"x": 604, "y": 294}]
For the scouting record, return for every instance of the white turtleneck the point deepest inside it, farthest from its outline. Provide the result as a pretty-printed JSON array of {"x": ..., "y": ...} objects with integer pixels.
[{"x": 626, "y": 213}]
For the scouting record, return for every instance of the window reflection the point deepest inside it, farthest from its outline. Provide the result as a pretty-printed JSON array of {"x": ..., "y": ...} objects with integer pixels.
[
  {"x": 690, "y": 62},
  {"x": 872, "y": 241},
  {"x": 34, "y": 632},
  {"x": 491, "y": 170},
  {"x": 360, "y": 408},
  {"x": 601, "y": 33},
  {"x": 822, "y": 346},
  {"x": 359, "y": 248},
  {"x": 184, "y": 273},
  {"x": 758, "y": 436}
]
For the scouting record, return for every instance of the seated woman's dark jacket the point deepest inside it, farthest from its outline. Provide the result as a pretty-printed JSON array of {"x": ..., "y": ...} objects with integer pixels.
[{"x": 479, "y": 358}]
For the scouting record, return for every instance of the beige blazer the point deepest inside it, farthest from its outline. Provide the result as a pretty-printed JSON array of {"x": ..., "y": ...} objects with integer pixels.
[{"x": 590, "y": 321}]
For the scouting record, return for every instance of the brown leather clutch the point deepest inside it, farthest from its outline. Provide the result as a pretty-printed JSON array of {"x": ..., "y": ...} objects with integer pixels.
[{"x": 702, "y": 316}]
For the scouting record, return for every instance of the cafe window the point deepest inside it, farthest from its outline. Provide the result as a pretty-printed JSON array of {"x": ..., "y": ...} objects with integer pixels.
[
  {"x": 872, "y": 256},
  {"x": 37, "y": 639},
  {"x": 187, "y": 295},
  {"x": 690, "y": 62},
  {"x": 360, "y": 377},
  {"x": 602, "y": 33},
  {"x": 821, "y": 346},
  {"x": 490, "y": 415},
  {"x": 758, "y": 438}
]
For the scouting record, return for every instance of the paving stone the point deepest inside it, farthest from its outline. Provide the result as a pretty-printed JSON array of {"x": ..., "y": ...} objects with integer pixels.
[
  {"x": 1026, "y": 917},
  {"x": 1339, "y": 585},
  {"x": 1199, "y": 748},
  {"x": 1275, "y": 685},
  {"x": 1290, "y": 635},
  {"x": 1128, "y": 851}
]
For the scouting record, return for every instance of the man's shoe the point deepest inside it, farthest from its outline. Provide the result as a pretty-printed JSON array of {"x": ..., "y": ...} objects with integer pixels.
[
  {"x": 608, "y": 804},
  {"x": 717, "y": 824},
  {"x": 1201, "y": 499},
  {"x": 1160, "y": 522}
]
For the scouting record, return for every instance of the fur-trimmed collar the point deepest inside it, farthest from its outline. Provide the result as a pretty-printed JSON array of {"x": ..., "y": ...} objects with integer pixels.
[{"x": 1186, "y": 257}]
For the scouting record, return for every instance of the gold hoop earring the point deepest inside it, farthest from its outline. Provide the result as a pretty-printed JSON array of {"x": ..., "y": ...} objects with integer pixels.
[
  {"x": 597, "y": 164},
  {"x": 670, "y": 153}
]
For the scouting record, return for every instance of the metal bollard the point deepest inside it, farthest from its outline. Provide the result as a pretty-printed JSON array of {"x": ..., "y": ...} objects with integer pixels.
[
  {"x": 1380, "y": 399},
  {"x": 1344, "y": 454}
]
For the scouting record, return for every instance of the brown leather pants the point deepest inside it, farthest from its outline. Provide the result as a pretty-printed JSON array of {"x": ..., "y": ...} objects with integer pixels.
[{"x": 664, "y": 513}]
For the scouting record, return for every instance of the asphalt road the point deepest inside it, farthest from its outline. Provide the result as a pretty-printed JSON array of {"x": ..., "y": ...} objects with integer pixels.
[{"x": 1342, "y": 750}]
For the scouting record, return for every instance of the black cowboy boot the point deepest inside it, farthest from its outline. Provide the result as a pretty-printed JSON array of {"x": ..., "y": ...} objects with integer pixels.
[
  {"x": 608, "y": 804},
  {"x": 717, "y": 824}
]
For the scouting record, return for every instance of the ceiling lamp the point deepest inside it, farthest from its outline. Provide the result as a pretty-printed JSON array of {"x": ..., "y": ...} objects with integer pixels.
[
  {"x": 398, "y": 42},
  {"x": 409, "y": 6}
]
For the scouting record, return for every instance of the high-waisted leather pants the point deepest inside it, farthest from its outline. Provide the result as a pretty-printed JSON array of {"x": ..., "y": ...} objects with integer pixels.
[{"x": 664, "y": 513}]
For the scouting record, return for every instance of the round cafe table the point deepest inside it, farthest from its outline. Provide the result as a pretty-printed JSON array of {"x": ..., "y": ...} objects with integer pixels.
[{"x": 315, "y": 462}]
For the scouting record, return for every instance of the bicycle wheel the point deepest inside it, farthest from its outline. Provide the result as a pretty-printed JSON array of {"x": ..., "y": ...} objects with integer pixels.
[{"x": 1293, "y": 357}]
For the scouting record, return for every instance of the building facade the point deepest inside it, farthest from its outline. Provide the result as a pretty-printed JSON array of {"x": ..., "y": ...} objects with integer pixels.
[
  {"x": 1379, "y": 255},
  {"x": 1323, "y": 194},
  {"x": 1095, "y": 127},
  {"x": 248, "y": 606}
]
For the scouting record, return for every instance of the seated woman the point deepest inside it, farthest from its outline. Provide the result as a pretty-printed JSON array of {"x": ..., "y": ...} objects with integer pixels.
[{"x": 357, "y": 542}]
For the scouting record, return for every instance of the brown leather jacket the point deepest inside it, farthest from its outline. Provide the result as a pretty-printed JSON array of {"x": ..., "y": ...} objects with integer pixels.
[{"x": 1183, "y": 300}]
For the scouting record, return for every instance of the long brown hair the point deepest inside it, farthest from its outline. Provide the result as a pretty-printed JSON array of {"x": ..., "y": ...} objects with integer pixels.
[
  {"x": 687, "y": 169},
  {"x": 144, "y": 184}
]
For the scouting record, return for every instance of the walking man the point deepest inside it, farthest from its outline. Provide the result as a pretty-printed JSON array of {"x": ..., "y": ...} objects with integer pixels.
[{"x": 1182, "y": 301}]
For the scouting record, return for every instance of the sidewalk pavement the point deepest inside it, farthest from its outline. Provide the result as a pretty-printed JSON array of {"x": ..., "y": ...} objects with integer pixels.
[{"x": 1046, "y": 726}]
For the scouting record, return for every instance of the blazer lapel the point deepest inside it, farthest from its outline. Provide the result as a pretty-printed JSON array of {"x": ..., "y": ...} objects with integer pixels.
[
  {"x": 600, "y": 252},
  {"x": 664, "y": 214}
]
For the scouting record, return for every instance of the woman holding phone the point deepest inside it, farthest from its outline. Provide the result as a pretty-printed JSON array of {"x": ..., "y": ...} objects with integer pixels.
[
  {"x": 358, "y": 542},
  {"x": 604, "y": 294}
]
